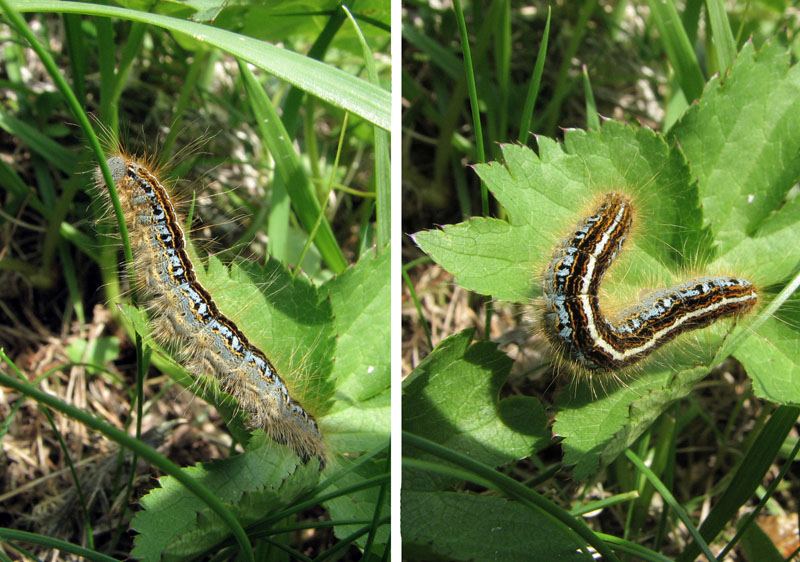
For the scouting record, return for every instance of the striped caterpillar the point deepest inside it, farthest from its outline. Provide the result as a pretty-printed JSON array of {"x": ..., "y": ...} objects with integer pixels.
[
  {"x": 577, "y": 327},
  {"x": 186, "y": 316}
]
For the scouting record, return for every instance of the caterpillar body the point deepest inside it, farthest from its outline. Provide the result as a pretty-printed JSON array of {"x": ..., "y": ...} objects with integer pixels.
[
  {"x": 576, "y": 326},
  {"x": 185, "y": 315}
]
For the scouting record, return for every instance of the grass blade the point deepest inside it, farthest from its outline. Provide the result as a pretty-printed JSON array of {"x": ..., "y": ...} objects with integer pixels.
[
  {"x": 288, "y": 165},
  {"x": 330, "y": 84},
  {"x": 679, "y": 49}
]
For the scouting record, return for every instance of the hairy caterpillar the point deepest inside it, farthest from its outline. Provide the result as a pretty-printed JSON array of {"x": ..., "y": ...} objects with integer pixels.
[
  {"x": 186, "y": 315},
  {"x": 572, "y": 318}
]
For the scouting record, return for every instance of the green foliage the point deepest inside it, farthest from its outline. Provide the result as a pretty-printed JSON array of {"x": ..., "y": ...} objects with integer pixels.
[
  {"x": 359, "y": 419},
  {"x": 284, "y": 317},
  {"x": 293, "y": 323},
  {"x": 743, "y": 141},
  {"x": 154, "y": 71},
  {"x": 715, "y": 196},
  {"x": 254, "y": 485},
  {"x": 500, "y": 258},
  {"x": 698, "y": 214},
  {"x": 329, "y": 83},
  {"x": 358, "y": 505},
  {"x": 452, "y": 399},
  {"x": 95, "y": 352},
  {"x": 488, "y": 528},
  {"x": 749, "y": 475}
]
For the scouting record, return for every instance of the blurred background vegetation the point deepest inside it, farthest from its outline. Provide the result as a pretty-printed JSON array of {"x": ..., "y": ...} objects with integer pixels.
[{"x": 619, "y": 43}]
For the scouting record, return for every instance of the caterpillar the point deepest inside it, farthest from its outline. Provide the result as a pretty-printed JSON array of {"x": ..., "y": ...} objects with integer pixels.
[
  {"x": 186, "y": 316},
  {"x": 574, "y": 322}
]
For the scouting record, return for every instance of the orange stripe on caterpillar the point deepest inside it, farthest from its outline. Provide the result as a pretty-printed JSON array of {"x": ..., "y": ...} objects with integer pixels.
[{"x": 185, "y": 314}]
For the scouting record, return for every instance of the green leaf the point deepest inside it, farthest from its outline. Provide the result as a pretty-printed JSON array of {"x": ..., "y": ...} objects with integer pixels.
[
  {"x": 360, "y": 418},
  {"x": 598, "y": 425},
  {"x": 283, "y": 317},
  {"x": 771, "y": 355},
  {"x": 489, "y": 528},
  {"x": 722, "y": 36},
  {"x": 743, "y": 141},
  {"x": 477, "y": 253},
  {"x": 452, "y": 398},
  {"x": 254, "y": 484},
  {"x": 360, "y": 504},
  {"x": 758, "y": 545},
  {"x": 542, "y": 194},
  {"x": 301, "y": 20},
  {"x": 293, "y": 323},
  {"x": 383, "y": 178},
  {"x": 95, "y": 353},
  {"x": 715, "y": 198}
]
